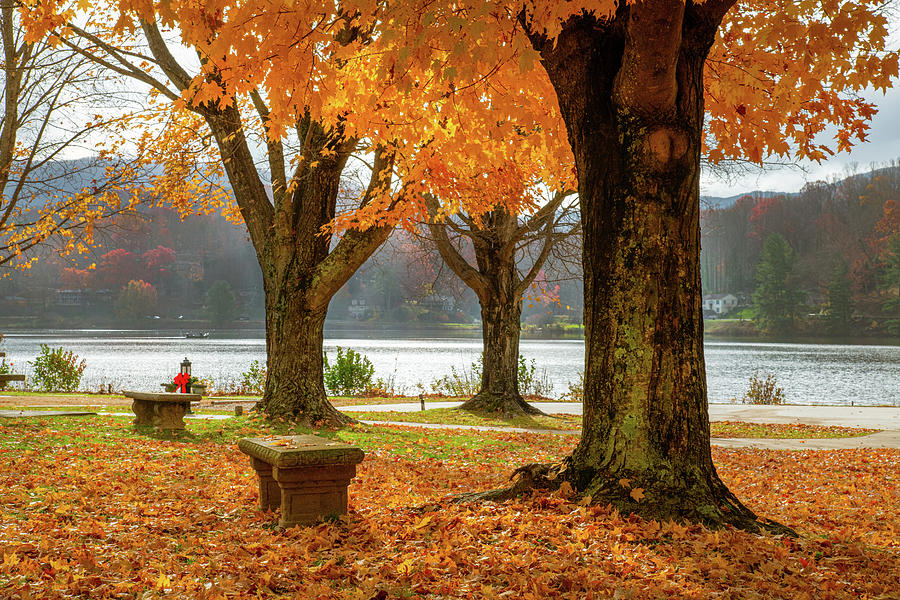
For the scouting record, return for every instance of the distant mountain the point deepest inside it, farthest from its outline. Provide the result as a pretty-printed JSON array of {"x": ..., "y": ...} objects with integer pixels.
[
  {"x": 710, "y": 202},
  {"x": 713, "y": 202}
]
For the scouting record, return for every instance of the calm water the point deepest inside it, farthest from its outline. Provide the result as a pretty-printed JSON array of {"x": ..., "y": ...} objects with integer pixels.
[{"x": 809, "y": 373}]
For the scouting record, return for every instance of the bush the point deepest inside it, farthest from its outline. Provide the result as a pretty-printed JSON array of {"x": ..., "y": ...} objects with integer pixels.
[
  {"x": 530, "y": 383},
  {"x": 467, "y": 382},
  {"x": 253, "y": 381},
  {"x": 5, "y": 369},
  {"x": 576, "y": 390},
  {"x": 57, "y": 370},
  {"x": 350, "y": 375},
  {"x": 763, "y": 391}
]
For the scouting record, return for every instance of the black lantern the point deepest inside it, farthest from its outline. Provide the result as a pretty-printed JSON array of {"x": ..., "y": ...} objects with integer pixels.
[{"x": 186, "y": 371}]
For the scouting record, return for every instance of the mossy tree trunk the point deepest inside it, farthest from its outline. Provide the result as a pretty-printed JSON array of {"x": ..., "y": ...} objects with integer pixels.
[
  {"x": 631, "y": 93},
  {"x": 496, "y": 280}
]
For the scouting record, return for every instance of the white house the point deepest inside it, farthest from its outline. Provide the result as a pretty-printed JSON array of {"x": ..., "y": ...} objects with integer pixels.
[{"x": 720, "y": 304}]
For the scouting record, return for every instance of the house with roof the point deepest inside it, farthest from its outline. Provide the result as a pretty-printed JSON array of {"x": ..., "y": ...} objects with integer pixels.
[{"x": 721, "y": 304}]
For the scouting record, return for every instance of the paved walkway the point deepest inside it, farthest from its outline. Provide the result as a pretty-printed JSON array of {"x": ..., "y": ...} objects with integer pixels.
[
  {"x": 882, "y": 439},
  {"x": 18, "y": 414},
  {"x": 869, "y": 417}
]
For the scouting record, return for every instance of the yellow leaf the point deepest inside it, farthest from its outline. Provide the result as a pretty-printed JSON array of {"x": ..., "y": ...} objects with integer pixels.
[
  {"x": 406, "y": 567},
  {"x": 163, "y": 581},
  {"x": 423, "y": 522},
  {"x": 625, "y": 482},
  {"x": 59, "y": 565},
  {"x": 637, "y": 494}
]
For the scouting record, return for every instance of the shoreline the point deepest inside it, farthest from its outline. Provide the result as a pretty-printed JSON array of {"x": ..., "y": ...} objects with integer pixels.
[{"x": 362, "y": 329}]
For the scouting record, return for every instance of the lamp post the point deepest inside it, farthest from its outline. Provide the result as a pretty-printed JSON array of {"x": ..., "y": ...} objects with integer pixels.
[
  {"x": 186, "y": 366},
  {"x": 186, "y": 371}
]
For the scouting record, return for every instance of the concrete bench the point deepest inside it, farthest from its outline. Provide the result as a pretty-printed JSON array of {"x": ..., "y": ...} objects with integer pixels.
[
  {"x": 159, "y": 409},
  {"x": 306, "y": 475},
  {"x": 4, "y": 379}
]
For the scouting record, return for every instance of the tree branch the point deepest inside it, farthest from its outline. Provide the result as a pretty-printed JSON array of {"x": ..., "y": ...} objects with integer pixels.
[
  {"x": 451, "y": 256},
  {"x": 356, "y": 246},
  {"x": 646, "y": 82},
  {"x": 275, "y": 150}
]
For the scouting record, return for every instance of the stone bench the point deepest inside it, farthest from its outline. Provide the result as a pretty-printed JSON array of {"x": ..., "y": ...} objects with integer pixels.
[
  {"x": 4, "y": 379},
  {"x": 159, "y": 409},
  {"x": 306, "y": 475}
]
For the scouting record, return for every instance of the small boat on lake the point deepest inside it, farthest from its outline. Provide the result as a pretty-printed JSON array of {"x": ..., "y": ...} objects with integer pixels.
[{"x": 197, "y": 334}]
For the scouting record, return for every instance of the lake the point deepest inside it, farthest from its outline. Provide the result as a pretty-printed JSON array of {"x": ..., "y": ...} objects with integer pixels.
[{"x": 809, "y": 373}]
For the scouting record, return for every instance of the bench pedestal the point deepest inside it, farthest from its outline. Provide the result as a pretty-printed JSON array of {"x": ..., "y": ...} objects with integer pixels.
[
  {"x": 160, "y": 410},
  {"x": 306, "y": 475}
]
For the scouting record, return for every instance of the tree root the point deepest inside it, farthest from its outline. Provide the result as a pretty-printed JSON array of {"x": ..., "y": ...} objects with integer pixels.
[
  {"x": 528, "y": 478},
  {"x": 715, "y": 506}
]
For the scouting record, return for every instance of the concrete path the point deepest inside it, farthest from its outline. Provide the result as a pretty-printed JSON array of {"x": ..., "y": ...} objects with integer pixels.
[
  {"x": 18, "y": 414},
  {"x": 869, "y": 417}
]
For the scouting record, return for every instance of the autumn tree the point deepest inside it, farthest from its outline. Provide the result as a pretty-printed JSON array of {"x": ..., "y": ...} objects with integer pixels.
[
  {"x": 136, "y": 300},
  {"x": 48, "y": 99},
  {"x": 285, "y": 203},
  {"x": 501, "y": 275},
  {"x": 631, "y": 86}
]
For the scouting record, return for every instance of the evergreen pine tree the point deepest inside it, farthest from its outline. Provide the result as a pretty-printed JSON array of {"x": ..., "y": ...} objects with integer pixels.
[
  {"x": 840, "y": 300},
  {"x": 776, "y": 297}
]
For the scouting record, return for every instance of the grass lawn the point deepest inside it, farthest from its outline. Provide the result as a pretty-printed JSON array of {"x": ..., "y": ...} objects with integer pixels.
[
  {"x": 91, "y": 507},
  {"x": 452, "y": 416}
]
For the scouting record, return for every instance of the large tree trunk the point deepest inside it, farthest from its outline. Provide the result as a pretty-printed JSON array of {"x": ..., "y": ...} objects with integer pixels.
[
  {"x": 501, "y": 327},
  {"x": 630, "y": 90},
  {"x": 294, "y": 379}
]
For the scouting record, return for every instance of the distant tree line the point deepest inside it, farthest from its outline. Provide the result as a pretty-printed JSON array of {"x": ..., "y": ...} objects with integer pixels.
[{"x": 828, "y": 250}]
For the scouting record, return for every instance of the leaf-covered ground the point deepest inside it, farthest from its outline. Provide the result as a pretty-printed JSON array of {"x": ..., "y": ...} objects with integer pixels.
[{"x": 92, "y": 509}]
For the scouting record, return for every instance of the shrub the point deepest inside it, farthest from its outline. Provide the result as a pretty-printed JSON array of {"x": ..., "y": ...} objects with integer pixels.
[
  {"x": 253, "y": 381},
  {"x": 763, "y": 391},
  {"x": 5, "y": 369},
  {"x": 576, "y": 389},
  {"x": 465, "y": 382},
  {"x": 531, "y": 383},
  {"x": 57, "y": 370},
  {"x": 350, "y": 375}
]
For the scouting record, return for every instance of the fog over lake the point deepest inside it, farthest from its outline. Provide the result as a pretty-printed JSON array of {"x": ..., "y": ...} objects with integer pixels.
[{"x": 809, "y": 373}]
